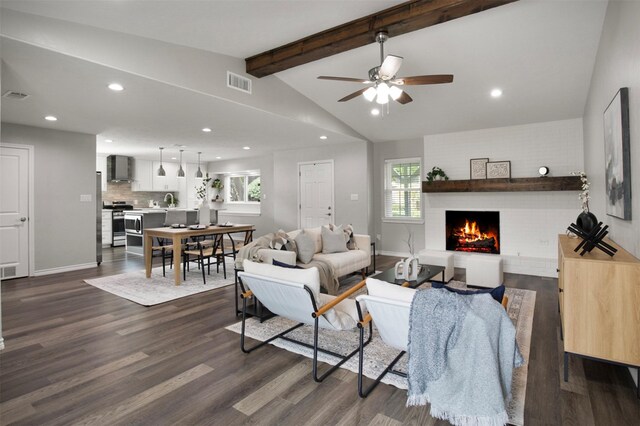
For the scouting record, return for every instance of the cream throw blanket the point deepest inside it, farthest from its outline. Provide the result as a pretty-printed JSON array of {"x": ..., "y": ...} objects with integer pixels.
[{"x": 328, "y": 280}]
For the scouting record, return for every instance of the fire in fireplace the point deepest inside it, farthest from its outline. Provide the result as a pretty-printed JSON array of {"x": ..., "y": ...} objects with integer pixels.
[{"x": 473, "y": 231}]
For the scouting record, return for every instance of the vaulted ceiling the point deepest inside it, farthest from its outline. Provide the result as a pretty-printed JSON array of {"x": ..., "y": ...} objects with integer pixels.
[{"x": 172, "y": 54}]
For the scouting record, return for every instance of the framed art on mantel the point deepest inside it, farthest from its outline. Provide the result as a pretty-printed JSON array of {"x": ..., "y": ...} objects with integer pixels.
[
  {"x": 616, "y": 156},
  {"x": 498, "y": 169},
  {"x": 478, "y": 168}
]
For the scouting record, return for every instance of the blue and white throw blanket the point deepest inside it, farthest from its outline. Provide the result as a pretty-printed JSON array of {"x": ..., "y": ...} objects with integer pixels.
[{"x": 462, "y": 350}]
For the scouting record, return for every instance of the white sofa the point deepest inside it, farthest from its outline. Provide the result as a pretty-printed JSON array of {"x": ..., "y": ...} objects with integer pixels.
[{"x": 343, "y": 263}]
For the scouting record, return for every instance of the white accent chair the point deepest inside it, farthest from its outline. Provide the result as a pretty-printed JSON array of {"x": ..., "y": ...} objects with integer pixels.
[
  {"x": 484, "y": 270},
  {"x": 389, "y": 306},
  {"x": 438, "y": 258},
  {"x": 295, "y": 294}
]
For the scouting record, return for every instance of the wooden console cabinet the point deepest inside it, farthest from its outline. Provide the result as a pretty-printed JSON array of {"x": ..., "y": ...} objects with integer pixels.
[{"x": 599, "y": 304}]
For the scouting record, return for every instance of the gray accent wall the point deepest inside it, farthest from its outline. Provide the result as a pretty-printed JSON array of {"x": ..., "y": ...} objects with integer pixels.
[
  {"x": 350, "y": 171},
  {"x": 394, "y": 235},
  {"x": 65, "y": 168},
  {"x": 617, "y": 65}
]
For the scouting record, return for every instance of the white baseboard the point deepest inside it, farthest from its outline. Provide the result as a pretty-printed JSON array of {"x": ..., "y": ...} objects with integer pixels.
[
  {"x": 64, "y": 269},
  {"x": 537, "y": 266},
  {"x": 392, "y": 253},
  {"x": 1, "y": 343}
]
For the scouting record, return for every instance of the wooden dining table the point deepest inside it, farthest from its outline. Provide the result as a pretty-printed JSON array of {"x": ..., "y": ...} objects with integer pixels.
[{"x": 177, "y": 235}]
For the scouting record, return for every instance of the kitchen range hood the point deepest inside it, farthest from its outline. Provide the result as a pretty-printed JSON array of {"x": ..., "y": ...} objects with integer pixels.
[{"x": 119, "y": 168}]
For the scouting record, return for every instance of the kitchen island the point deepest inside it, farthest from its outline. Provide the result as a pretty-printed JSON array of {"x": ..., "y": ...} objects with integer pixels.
[{"x": 177, "y": 235}]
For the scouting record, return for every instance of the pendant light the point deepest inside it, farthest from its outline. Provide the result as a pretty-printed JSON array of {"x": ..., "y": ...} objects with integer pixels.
[
  {"x": 161, "y": 171},
  {"x": 199, "y": 172},
  {"x": 181, "y": 170}
]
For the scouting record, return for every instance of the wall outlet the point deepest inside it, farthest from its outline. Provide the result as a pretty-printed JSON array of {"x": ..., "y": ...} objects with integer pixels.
[
  {"x": 85, "y": 198},
  {"x": 354, "y": 197}
]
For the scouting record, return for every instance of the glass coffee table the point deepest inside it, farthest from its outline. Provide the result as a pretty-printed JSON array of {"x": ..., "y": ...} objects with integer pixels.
[{"x": 427, "y": 272}]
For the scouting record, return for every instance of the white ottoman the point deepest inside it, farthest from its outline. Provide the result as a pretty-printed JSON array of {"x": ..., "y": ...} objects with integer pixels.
[
  {"x": 484, "y": 270},
  {"x": 438, "y": 258}
]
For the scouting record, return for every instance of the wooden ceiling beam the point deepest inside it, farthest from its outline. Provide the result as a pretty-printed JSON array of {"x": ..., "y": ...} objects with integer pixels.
[{"x": 403, "y": 18}]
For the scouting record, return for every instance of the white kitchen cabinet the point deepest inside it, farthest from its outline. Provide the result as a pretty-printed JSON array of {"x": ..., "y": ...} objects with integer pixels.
[
  {"x": 107, "y": 228},
  {"x": 169, "y": 182},
  {"x": 101, "y": 166},
  {"x": 142, "y": 175}
]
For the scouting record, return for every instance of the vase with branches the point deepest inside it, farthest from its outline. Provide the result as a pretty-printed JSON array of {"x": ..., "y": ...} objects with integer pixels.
[{"x": 586, "y": 220}]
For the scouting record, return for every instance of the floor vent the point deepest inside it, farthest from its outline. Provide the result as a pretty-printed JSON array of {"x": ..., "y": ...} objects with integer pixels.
[
  {"x": 8, "y": 272},
  {"x": 10, "y": 94},
  {"x": 238, "y": 82}
]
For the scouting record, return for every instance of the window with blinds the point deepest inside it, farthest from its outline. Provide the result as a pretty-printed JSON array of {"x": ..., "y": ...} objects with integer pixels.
[{"x": 402, "y": 189}]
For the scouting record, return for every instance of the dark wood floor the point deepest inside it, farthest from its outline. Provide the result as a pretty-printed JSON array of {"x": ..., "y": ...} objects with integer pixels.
[{"x": 76, "y": 354}]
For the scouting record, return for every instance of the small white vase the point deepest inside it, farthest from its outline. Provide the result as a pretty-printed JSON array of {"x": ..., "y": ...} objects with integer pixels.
[{"x": 204, "y": 217}]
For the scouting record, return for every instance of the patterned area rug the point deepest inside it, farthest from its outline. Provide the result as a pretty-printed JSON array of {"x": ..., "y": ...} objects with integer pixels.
[
  {"x": 136, "y": 287},
  {"x": 378, "y": 355}
]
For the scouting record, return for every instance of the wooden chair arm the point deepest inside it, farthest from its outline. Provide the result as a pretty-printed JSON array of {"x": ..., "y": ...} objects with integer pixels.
[
  {"x": 365, "y": 321},
  {"x": 334, "y": 302},
  {"x": 247, "y": 294},
  {"x": 505, "y": 301},
  {"x": 405, "y": 284}
]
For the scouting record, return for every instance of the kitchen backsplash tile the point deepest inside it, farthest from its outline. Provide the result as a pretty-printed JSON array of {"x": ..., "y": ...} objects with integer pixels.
[{"x": 121, "y": 191}]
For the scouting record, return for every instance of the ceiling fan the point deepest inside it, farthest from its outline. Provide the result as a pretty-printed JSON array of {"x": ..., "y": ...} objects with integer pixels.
[{"x": 384, "y": 80}]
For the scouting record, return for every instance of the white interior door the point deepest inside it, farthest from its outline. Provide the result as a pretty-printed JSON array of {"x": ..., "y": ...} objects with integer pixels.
[
  {"x": 316, "y": 194},
  {"x": 14, "y": 212}
]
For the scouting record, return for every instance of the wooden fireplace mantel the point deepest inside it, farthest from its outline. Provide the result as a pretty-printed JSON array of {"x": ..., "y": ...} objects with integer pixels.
[{"x": 558, "y": 183}]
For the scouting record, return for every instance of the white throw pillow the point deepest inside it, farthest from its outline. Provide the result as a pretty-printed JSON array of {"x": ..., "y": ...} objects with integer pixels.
[
  {"x": 306, "y": 246},
  {"x": 387, "y": 290},
  {"x": 333, "y": 241},
  {"x": 316, "y": 234},
  {"x": 310, "y": 277}
]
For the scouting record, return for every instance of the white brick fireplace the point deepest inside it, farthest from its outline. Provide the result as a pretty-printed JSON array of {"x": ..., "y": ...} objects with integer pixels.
[{"x": 529, "y": 221}]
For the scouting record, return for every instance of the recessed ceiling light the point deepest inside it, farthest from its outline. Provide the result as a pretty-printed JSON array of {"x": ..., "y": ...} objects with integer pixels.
[
  {"x": 51, "y": 118},
  {"x": 246, "y": 148},
  {"x": 116, "y": 87},
  {"x": 496, "y": 93},
  {"x": 174, "y": 158},
  {"x": 206, "y": 130},
  {"x": 323, "y": 137},
  {"x": 375, "y": 111},
  {"x": 108, "y": 140},
  {"x": 218, "y": 158}
]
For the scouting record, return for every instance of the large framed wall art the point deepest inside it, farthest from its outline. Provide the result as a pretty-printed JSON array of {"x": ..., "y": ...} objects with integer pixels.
[{"x": 617, "y": 156}]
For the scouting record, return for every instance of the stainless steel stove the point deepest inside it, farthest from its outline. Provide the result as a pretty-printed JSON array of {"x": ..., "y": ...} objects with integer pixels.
[{"x": 117, "y": 221}]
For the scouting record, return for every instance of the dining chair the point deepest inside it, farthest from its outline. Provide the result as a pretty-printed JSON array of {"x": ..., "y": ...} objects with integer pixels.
[{"x": 206, "y": 247}]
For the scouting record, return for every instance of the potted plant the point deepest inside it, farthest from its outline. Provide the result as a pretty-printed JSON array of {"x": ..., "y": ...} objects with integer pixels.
[
  {"x": 437, "y": 174},
  {"x": 218, "y": 186}
]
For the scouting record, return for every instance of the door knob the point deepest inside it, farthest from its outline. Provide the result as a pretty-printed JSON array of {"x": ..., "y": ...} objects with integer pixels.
[
  {"x": 328, "y": 214},
  {"x": 23, "y": 219}
]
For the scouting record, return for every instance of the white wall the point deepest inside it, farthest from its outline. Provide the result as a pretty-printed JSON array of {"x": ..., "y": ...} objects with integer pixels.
[
  {"x": 65, "y": 168},
  {"x": 617, "y": 65},
  {"x": 394, "y": 235},
  {"x": 529, "y": 221}
]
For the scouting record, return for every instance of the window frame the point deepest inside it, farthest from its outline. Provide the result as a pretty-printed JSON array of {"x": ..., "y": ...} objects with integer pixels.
[
  {"x": 245, "y": 179},
  {"x": 386, "y": 189}
]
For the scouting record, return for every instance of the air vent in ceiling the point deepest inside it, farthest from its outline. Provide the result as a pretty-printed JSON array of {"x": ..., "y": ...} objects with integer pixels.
[
  {"x": 238, "y": 82},
  {"x": 15, "y": 95}
]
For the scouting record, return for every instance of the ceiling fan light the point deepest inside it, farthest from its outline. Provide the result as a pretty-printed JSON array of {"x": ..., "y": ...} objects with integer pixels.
[
  {"x": 395, "y": 92},
  {"x": 383, "y": 93},
  {"x": 370, "y": 94}
]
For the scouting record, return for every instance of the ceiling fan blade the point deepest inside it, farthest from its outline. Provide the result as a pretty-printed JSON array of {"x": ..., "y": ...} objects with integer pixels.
[
  {"x": 390, "y": 67},
  {"x": 404, "y": 98},
  {"x": 355, "y": 80},
  {"x": 353, "y": 95},
  {"x": 424, "y": 79}
]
